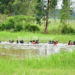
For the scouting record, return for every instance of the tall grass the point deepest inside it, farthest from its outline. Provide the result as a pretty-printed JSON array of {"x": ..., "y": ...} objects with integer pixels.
[
  {"x": 54, "y": 26},
  {"x": 58, "y": 64},
  {"x": 54, "y": 33},
  {"x": 27, "y": 36}
]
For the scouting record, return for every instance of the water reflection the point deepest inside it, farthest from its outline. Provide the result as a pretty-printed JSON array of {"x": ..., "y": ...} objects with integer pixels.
[{"x": 24, "y": 50}]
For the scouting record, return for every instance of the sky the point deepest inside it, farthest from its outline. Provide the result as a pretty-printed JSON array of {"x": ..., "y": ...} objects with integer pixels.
[{"x": 60, "y": 4}]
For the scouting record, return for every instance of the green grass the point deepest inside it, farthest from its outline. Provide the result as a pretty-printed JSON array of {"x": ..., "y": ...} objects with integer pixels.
[
  {"x": 58, "y": 64},
  {"x": 27, "y": 36},
  {"x": 55, "y": 26},
  {"x": 54, "y": 29}
]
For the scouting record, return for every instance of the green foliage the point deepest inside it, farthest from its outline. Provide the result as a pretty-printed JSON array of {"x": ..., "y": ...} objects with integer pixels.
[
  {"x": 31, "y": 28},
  {"x": 67, "y": 29},
  {"x": 18, "y": 23},
  {"x": 5, "y": 35},
  {"x": 18, "y": 26},
  {"x": 53, "y": 4},
  {"x": 65, "y": 11},
  {"x": 57, "y": 64},
  {"x": 40, "y": 11},
  {"x": 6, "y": 6},
  {"x": 9, "y": 24},
  {"x": 19, "y": 7},
  {"x": 2, "y": 26}
]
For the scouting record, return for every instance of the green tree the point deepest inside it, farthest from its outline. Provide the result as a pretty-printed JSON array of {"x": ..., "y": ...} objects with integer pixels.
[
  {"x": 65, "y": 12},
  {"x": 51, "y": 4},
  {"x": 6, "y": 6},
  {"x": 40, "y": 10}
]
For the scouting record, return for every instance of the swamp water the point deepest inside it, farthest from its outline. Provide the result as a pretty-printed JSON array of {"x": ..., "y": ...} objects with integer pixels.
[{"x": 23, "y": 50}]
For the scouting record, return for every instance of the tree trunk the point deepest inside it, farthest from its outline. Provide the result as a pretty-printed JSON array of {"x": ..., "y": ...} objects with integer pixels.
[
  {"x": 46, "y": 25},
  {"x": 47, "y": 16}
]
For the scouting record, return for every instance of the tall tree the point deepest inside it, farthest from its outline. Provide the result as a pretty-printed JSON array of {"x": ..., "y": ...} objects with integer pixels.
[
  {"x": 51, "y": 5},
  {"x": 6, "y": 6},
  {"x": 65, "y": 12},
  {"x": 47, "y": 16},
  {"x": 24, "y": 7},
  {"x": 40, "y": 11}
]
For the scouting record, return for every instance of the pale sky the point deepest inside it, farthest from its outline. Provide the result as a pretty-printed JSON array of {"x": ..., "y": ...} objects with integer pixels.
[{"x": 60, "y": 4}]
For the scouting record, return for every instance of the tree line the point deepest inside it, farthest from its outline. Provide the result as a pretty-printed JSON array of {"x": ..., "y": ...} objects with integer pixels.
[{"x": 40, "y": 9}]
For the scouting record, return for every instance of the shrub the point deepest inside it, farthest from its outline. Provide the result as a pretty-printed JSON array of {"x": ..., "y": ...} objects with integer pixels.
[
  {"x": 17, "y": 23},
  {"x": 9, "y": 24},
  {"x": 67, "y": 29},
  {"x": 18, "y": 26},
  {"x": 32, "y": 28},
  {"x": 2, "y": 26}
]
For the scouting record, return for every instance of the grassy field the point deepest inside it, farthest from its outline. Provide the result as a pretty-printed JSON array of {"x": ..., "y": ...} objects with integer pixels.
[
  {"x": 54, "y": 33},
  {"x": 58, "y": 64},
  {"x": 27, "y": 36}
]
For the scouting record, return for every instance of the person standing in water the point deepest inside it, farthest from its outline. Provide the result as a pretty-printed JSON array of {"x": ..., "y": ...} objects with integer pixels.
[
  {"x": 74, "y": 43},
  {"x": 69, "y": 43}
]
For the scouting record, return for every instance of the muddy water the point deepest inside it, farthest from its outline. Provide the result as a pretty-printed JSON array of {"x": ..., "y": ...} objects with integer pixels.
[
  {"x": 18, "y": 53},
  {"x": 23, "y": 50}
]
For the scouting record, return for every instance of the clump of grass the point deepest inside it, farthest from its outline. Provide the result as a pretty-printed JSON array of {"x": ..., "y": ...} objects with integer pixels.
[
  {"x": 63, "y": 63},
  {"x": 27, "y": 36},
  {"x": 62, "y": 60}
]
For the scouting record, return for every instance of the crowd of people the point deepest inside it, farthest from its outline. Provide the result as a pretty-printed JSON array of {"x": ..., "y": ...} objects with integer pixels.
[
  {"x": 22, "y": 41},
  {"x": 71, "y": 43},
  {"x": 33, "y": 42},
  {"x": 53, "y": 42},
  {"x": 37, "y": 42},
  {"x": 56, "y": 42}
]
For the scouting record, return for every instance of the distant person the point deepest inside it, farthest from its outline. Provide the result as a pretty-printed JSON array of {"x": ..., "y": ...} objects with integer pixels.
[
  {"x": 17, "y": 41},
  {"x": 37, "y": 41},
  {"x": 74, "y": 43},
  {"x": 30, "y": 42},
  {"x": 53, "y": 42},
  {"x": 10, "y": 41},
  {"x": 50, "y": 42},
  {"x": 56, "y": 42},
  {"x": 33, "y": 42},
  {"x": 21, "y": 41},
  {"x": 69, "y": 43}
]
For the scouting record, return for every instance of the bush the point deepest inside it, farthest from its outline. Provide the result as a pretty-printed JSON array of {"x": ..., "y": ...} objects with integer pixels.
[
  {"x": 32, "y": 28},
  {"x": 9, "y": 24},
  {"x": 18, "y": 26},
  {"x": 17, "y": 23},
  {"x": 2, "y": 26},
  {"x": 67, "y": 29}
]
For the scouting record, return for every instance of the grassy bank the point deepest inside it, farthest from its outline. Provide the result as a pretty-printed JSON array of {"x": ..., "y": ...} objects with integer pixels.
[
  {"x": 27, "y": 36},
  {"x": 58, "y": 64}
]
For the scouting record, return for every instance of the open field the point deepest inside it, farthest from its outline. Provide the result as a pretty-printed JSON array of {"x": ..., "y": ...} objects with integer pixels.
[
  {"x": 57, "y": 64},
  {"x": 27, "y": 36}
]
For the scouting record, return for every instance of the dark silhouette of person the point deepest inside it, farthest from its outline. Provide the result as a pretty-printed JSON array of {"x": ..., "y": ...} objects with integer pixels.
[
  {"x": 37, "y": 41},
  {"x": 50, "y": 42},
  {"x": 53, "y": 42},
  {"x": 21, "y": 41},
  {"x": 11, "y": 41},
  {"x": 74, "y": 43},
  {"x": 56, "y": 42},
  {"x": 17, "y": 41},
  {"x": 33, "y": 42},
  {"x": 69, "y": 43}
]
